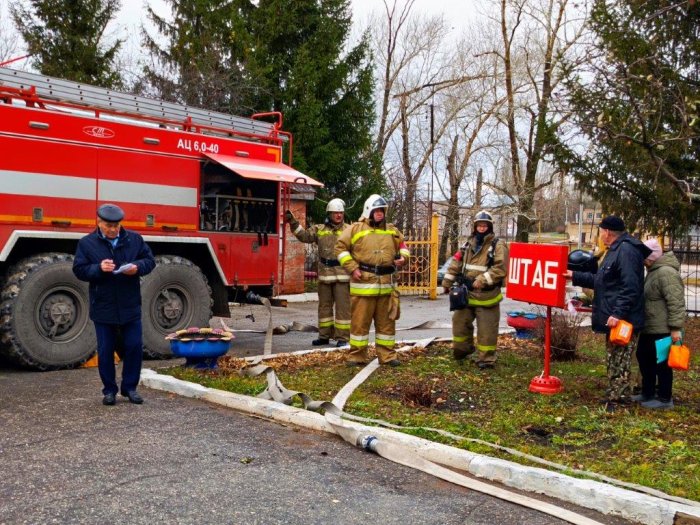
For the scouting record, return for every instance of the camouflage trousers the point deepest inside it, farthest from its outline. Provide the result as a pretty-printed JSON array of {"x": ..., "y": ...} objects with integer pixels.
[{"x": 619, "y": 363}]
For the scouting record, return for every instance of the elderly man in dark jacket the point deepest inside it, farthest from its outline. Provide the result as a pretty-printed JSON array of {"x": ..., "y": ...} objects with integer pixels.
[
  {"x": 112, "y": 260},
  {"x": 618, "y": 288}
]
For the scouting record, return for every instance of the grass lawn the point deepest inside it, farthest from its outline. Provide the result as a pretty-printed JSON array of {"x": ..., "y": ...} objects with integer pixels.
[{"x": 659, "y": 449}]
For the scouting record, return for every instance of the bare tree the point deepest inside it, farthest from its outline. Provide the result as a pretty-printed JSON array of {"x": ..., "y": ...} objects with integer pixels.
[
  {"x": 411, "y": 68},
  {"x": 535, "y": 36},
  {"x": 9, "y": 42},
  {"x": 417, "y": 68},
  {"x": 470, "y": 134},
  {"x": 408, "y": 59}
]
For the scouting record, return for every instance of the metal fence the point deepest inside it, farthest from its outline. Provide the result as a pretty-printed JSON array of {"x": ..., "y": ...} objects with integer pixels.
[{"x": 687, "y": 250}]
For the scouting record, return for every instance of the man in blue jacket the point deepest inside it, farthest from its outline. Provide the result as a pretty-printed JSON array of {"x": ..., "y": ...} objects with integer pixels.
[
  {"x": 112, "y": 260},
  {"x": 618, "y": 293}
]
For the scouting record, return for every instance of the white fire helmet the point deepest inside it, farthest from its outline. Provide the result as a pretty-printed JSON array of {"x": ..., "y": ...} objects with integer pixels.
[
  {"x": 372, "y": 203},
  {"x": 483, "y": 216},
  {"x": 335, "y": 205}
]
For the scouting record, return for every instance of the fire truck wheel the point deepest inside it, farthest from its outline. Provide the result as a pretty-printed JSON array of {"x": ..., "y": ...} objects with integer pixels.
[
  {"x": 174, "y": 296},
  {"x": 44, "y": 317}
]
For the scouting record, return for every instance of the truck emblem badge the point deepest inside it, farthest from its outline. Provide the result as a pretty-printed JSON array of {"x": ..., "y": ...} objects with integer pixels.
[{"x": 99, "y": 132}]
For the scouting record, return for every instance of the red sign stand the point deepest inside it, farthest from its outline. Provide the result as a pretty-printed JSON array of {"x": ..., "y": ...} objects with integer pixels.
[
  {"x": 544, "y": 383},
  {"x": 535, "y": 275}
]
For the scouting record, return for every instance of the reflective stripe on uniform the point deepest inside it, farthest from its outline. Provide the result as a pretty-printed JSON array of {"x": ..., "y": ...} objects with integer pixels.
[
  {"x": 333, "y": 278},
  {"x": 325, "y": 322},
  {"x": 459, "y": 338},
  {"x": 486, "y": 302},
  {"x": 342, "y": 325},
  {"x": 370, "y": 289},
  {"x": 405, "y": 252},
  {"x": 344, "y": 257},
  {"x": 488, "y": 277},
  {"x": 299, "y": 229},
  {"x": 384, "y": 339},
  {"x": 450, "y": 277},
  {"x": 486, "y": 348},
  {"x": 359, "y": 340},
  {"x": 364, "y": 233},
  {"x": 477, "y": 267},
  {"x": 323, "y": 233}
]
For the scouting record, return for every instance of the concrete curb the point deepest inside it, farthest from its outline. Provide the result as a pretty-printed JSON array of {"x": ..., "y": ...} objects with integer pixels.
[{"x": 595, "y": 495}]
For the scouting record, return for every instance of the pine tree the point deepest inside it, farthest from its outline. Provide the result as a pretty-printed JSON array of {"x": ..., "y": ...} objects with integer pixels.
[
  {"x": 202, "y": 62},
  {"x": 67, "y": 39},
  {"x": 638, "y": 108},
  {"x": 300, "y": 67}
]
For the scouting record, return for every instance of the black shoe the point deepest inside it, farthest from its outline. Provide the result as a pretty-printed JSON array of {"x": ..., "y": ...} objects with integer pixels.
[
  {"x": 340, "y": 344},
  {"x": 320, "y": 342},
  {"x": 355, "y": 363},
  {"x": 109, "y": 399},
  {"x": 393, "y": 362},
  {"x": 134, "y": 397},
  {"x": 461, "y": 355},
  {"x": 483, "y": 366},
  {"x": 612, "y": 407}
]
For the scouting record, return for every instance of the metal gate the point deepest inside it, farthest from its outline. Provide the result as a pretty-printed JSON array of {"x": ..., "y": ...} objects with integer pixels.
[
  {"x": 419, "y": 277},
  {"x": 687, "y": 250}
]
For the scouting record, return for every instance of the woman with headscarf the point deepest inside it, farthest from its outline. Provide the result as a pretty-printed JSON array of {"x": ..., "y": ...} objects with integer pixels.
[{"x": 664, "y": 316}]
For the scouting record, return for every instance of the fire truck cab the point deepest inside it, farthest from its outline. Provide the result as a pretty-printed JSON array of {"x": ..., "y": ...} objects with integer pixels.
[{"x": 205, "y": 189}]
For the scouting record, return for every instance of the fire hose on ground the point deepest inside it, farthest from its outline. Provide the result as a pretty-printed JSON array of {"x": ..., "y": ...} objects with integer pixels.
[
  {"x": 362, "y": 436},
  {"x": 333, "y": 412}
]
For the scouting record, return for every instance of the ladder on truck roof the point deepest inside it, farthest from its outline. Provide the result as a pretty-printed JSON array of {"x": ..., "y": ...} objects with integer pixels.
[{"x": 78, "y": 94}]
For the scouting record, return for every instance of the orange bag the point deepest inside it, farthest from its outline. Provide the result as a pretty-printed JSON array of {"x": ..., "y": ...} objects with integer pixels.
[
  {"x": 679, "y": 357},
  {"x": 621, "y": 333}
]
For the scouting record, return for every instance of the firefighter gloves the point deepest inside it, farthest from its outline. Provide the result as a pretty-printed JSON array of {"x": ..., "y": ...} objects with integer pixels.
[{"x": 288, "y": 216}]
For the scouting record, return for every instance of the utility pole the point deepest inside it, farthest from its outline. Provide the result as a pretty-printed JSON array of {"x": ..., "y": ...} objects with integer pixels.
[{"x": 432, "y": 157}]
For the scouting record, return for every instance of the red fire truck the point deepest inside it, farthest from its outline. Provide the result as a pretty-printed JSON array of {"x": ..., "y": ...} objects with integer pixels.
[{"x": 205, "y": 189}]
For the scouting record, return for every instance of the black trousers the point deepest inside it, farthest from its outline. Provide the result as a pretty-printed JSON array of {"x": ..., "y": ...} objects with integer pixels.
[
  {"x": 132, "y": 341},
  {"x": 652, "y": 371}
]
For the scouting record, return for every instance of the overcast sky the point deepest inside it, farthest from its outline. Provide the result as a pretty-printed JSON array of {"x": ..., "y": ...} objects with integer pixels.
[
  {"x": 457, "y": 12},
  {"x": 132, "y": 15}
]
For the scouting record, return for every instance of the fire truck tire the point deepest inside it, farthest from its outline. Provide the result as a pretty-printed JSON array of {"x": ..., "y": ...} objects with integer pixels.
[
  {"x": 175, "y": 295},
  {"x": 44, "y": 316}
]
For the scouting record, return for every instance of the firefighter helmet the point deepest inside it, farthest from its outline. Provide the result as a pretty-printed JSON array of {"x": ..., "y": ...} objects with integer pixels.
[
  {"x": 582, "y": 261},
  {"x": 373, "y": 202},
  {"x": 483, "y": 216},
  {"x": 335, "y": 205}
]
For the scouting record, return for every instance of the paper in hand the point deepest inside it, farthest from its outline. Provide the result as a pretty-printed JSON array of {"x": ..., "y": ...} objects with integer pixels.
[{"x": 123, "y": 267}]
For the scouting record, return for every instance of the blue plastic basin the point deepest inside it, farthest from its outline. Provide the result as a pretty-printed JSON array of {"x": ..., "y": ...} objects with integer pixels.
[{"x": 199, "y": 348}]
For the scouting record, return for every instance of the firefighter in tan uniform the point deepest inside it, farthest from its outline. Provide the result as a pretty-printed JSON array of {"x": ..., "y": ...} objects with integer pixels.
[
  {"x": 371, "y": 250},
  {"x": 482, "y": 265},
  {"x": 333, "y": 280}
]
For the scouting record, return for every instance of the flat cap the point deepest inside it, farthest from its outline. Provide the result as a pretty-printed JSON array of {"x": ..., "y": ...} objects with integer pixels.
[
  {"x": 612, "y": 223},
  {"x": 110, "y": 213}
]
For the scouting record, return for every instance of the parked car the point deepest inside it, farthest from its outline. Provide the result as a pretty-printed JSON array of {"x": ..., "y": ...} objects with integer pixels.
[{"x": 443, "y": 270}]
